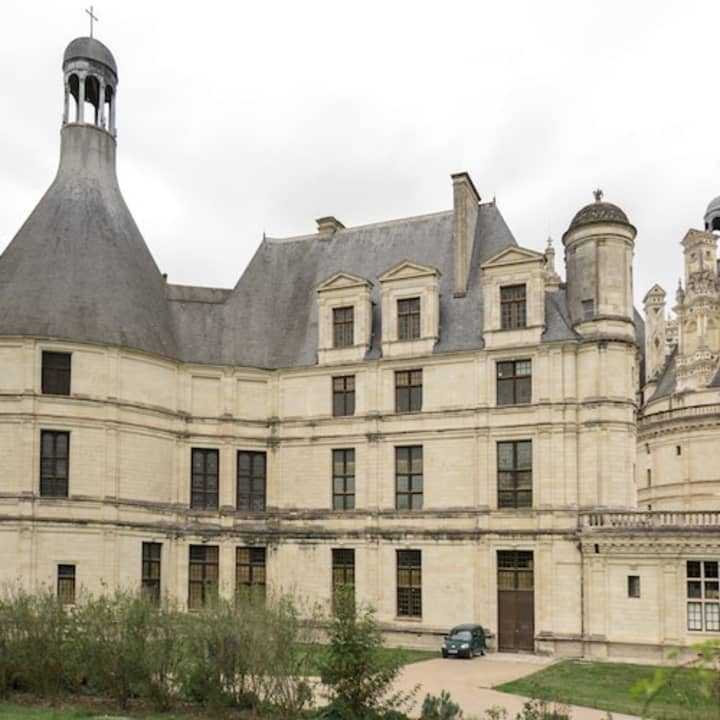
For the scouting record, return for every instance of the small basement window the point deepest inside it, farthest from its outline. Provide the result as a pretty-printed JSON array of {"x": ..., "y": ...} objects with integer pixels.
[{"x": 633, "y": 586}]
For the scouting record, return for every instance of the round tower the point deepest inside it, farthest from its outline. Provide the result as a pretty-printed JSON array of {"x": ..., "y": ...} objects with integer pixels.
[
  {"x": 599, "y": 247},
  {"x": 712, "y": 215}
]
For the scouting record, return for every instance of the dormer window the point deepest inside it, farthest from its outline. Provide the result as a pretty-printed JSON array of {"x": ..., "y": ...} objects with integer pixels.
[
  {"x": 343, "y": 326},
  {"x": 408, "y": 318},
  {"x": 512, "y": 307}
]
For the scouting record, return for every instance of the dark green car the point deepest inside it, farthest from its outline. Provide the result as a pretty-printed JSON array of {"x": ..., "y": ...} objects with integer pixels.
[{"x": 464, "y": 641}]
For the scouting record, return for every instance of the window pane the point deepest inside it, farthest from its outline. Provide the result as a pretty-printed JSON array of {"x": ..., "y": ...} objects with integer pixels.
[
  {"x": 522, "y": 367},
  {"x": 711, "y": 569},
  {"x": 524, "y": 454},
  {"x": 522, "y": 387},
  {"x": 693, "y": 569},
  {"x": 505, "y": 390},
  {"x": 694, "y": 616},
  {"x": 712, "y": 616},
  {"x": 694, "y": 589},
  {"x": 506, "y": 456}
]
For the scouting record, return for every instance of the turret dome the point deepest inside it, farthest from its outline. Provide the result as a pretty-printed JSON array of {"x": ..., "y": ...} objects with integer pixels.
[
  {"x": 87, "y": 48},
  {"x": 599, "y": 212},
  {"x": 712, "y": 215}
]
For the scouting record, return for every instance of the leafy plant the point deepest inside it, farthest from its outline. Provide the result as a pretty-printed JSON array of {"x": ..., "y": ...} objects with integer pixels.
[
  {"x": 440, "y": 708},
  {"x": 359, "y": 676}
]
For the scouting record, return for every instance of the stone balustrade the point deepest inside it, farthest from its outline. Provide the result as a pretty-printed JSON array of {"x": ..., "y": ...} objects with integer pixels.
[{"x": 653, "y": 519}]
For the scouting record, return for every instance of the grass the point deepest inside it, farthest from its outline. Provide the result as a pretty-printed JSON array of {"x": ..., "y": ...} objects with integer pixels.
[
  {"x": 608, "y": 686},
  {"x": 406, "y": 657},
  {"x": 13, "y": 711}
]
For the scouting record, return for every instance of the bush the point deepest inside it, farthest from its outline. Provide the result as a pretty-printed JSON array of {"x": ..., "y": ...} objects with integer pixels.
[
  {"x": 36, "y": 651},
  {"x": 358, "y": 676},
  {"x": 440, "y": 708}
]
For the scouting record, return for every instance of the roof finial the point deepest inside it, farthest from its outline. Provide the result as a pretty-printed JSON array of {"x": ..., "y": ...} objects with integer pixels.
[
  {"x": 92, "y": 18},
  {"x": 598, "y": 195},
  {"x": 549, "y": 242}
]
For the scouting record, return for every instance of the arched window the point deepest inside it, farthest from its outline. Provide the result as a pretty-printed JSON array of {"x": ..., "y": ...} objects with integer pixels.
[
  {"x": 74, "y": 88},
  {"x": 92, "y": 99}
]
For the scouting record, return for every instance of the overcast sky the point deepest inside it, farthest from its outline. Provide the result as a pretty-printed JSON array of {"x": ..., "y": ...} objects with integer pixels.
[{"x": 236, "y": 118}]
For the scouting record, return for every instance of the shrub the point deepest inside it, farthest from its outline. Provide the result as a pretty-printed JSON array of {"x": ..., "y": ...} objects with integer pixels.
[
  {"x": 358, "y": 675},
  {"x": 440, "y": 708},
  {"x": 36, "y": 651}
]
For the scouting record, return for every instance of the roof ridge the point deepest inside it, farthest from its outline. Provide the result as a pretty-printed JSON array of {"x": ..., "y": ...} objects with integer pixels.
[{"x": 394, "y": 221}]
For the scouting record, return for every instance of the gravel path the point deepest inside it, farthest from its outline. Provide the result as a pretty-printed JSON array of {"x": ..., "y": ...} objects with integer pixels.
[{"x": 469, "y": 683}]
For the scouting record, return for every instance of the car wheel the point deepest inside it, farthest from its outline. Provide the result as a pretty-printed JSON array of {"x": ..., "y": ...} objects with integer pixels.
[
  {"x": 444, "y": 653},
  {"x": 470, "y": 653}
]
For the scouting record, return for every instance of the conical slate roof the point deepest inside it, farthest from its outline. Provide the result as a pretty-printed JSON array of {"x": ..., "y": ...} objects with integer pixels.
[{"x": 79, "y": 268}]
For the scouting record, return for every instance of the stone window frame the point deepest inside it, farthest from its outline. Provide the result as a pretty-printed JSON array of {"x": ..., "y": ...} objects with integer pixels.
[
  {"x": 66, "y": 576},
  {"x": 343, "y": 396},
  {"x": 205, "y": 561},
  {"x": 408, "y": 390},
  {"x": 343, "y": 326},
  {"x": 204, "y": 480},
  {"x": 409, "y": 494},
  {"x": 409, "y": 583},
  {"x": 342, "y": 571},
  {"x": 253, "y": 497},
  {"x": 151, "y": 570},
  {"x": 702, "y": 589},
  {"x": 515, "y": 485},
  {"x": 54, "y": 464},
  {"x": 250, "y": 569},
  {"x": 55, "y": 376},
  {"x": 343, "y": 479},
  {"x": 513, "y": 307},
  {"x": 515, "y": 379}
]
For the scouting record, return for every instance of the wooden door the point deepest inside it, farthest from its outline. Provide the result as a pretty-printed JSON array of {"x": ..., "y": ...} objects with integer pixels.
[{"x": 516, "y": 601}]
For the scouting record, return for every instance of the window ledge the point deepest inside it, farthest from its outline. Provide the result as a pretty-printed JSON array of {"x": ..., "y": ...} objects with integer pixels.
[{"x": 408, "y": 619}]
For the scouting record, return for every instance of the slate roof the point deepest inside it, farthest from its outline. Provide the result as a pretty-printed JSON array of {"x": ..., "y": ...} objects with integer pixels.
[
  {"x": 667, "y": 382},
  {"x": 270, "y": 318},
  {"x": 79, "y": 268}
]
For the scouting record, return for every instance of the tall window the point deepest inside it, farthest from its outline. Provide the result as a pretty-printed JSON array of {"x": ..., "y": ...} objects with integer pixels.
[
  {"x": 343, "y": 479},
  {"x": 151, "y": 552},
  {"x": 409, "y": 583},
  {"x": 343, "y": 320},
  {"x": 409, "y": 477},
  {"x": 703, "y": 595},
  {"x": 343, "y": 569},
  {"x": 514, "y": 474},
  {"x": 513, "y": 382},
  {"x": 66, "y": 584},
  {"x": 205, "y": 468},
  {"x": 250, "y": 569},
  {"x": 251, "y": 480},
  {"x": 203, "y": 580},
  {"x": 408, "y": 391},
  {"x": 55, "y": 373},
  {"x": 588, "y": 309},
  {"x": 408, "y": 312},
  {"x": 343, "y": 395},
  {"x": 54, "y": 462},
  {"x": 512, "y": 307}
]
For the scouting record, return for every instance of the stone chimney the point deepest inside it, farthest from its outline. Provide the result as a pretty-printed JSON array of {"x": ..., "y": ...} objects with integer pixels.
[
  {"x": 328, "y": 226},
  {"x": 552, "y": 279},
  {"x": 655, "y": 334},
  {"x": 466, "y": 201}
]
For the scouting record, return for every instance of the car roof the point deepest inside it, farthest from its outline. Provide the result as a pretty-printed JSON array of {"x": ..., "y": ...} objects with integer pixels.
[{"x": 465, "y": 627}]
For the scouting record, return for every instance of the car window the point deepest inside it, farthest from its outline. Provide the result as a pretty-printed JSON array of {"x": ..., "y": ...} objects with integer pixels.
[{"x": 462, "y": 635}]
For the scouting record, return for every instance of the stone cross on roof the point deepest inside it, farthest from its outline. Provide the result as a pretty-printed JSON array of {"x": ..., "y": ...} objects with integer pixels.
[
  {"x": 598, "y": 194},
  {"x": 92, "y": 18}
]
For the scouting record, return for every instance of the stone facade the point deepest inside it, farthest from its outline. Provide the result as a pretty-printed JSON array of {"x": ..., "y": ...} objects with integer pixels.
[{"x": 422, "y": 392}]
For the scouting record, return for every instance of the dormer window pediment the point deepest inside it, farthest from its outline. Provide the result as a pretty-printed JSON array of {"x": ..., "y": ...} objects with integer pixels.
[
  {"x": 410, "y": 299},
  {"x": 344, "y": 318}
]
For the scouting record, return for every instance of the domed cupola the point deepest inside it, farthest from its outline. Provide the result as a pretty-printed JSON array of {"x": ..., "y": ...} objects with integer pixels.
[
  {"x": 79, "y": 269},
  {"x": 712, "y": 215},
  {"x": 599, "y": 244}
]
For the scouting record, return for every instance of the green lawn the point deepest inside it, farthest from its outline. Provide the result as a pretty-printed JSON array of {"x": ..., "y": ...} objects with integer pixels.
[
  {"x": 607, "y": 686},
  {"x": 406, "y": 656},
  {"x": 11, "y": 711}
]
